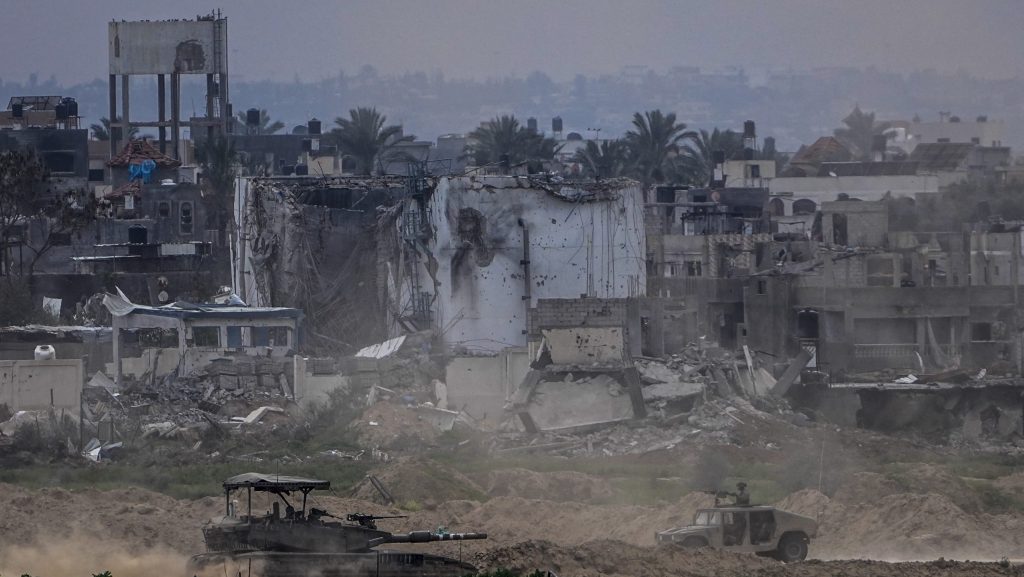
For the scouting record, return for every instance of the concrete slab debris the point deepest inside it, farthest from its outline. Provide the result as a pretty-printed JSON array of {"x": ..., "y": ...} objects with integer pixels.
[
  {"x": 792, "y": 372},
  {"x": 381, "y": 350},
  {"x": 671, "y": 391},
  {"x": 257, "y": 415}
]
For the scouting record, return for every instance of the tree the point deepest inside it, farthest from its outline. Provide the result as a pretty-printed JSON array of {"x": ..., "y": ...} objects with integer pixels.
[
  {"x": 503, "y": 139},
  {"x": 859, "y": 132},
  {"x": 265, "y": 126},
  {"x": 606, "y": 160},
  {"x": 365, "y": 137},
  {"x": 101, "y": 131},
  {"x": 696, "y": 164},
  {"x": 655, "y": 139},
  {"x": 30, "y": 219}
]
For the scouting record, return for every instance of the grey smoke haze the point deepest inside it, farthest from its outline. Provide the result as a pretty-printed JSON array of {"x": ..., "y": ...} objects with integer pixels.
[{"x": 274, "y": 39}]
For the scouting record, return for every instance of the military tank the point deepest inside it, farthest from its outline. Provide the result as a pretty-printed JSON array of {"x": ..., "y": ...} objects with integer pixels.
[{"x": 300, "y": 542}]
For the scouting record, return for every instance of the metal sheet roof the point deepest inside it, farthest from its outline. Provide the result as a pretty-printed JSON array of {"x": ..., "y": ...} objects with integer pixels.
[
  {"x": 271, "y": 482},
  {"x": 119, "y": 306}
]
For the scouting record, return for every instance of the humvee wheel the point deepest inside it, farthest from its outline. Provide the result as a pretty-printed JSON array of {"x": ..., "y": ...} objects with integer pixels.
[
  {"x": 694, "y": 543},
  {"x": 792, "y": 547}
]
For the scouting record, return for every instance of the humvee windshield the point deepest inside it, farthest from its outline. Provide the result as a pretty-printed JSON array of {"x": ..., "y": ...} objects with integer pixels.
[{"x": 708, "y": 518}]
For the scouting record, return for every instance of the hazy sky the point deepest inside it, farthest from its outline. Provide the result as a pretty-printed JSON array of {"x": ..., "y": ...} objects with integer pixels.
[{"x": 280, "y": 39}]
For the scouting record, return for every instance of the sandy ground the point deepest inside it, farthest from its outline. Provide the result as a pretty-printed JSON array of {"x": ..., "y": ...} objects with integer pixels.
[{"x": 59, "y": 533}]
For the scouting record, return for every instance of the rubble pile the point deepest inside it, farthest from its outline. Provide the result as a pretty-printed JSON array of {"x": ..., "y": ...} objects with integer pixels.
[
  {"x": 230, "y": 392},
  {"x": 699, "y": 395},
  {"x": 710, "y": 422}
]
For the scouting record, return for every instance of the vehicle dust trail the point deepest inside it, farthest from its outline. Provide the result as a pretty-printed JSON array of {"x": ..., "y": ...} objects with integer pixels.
[{"x": 83, "y": 555}]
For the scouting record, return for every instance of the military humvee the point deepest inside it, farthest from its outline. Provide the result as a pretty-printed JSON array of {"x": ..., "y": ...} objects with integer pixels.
[{"x": 756, "y": 529}]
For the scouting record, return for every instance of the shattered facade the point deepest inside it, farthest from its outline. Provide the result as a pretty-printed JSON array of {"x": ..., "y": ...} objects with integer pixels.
[
  {"x": 315, "y": 244},
  {"x": 480, "y": 252}
]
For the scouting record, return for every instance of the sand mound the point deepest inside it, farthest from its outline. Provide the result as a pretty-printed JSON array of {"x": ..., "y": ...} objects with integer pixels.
[
  {"x": 614, "y": 558},
  {"x": 510, "y": 519},
  {"x": 865, "y": 488},
  {"x": 553, "y": 486},
  {"x": 807, "y": 502},
  {"x": 422, "y": 482},
  {"x": 928, "y": 478},
  {"x": 391, "y": 426},
  {"x": 1011, "y": 483},
  {"x": 913, "y": 526},
  {"x": 143, "y": 518}
]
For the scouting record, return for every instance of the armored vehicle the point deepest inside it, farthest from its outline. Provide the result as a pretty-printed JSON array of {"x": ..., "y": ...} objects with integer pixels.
[
  {"x": 303, "y": 542},
  {"x": 757, "y": 529}
]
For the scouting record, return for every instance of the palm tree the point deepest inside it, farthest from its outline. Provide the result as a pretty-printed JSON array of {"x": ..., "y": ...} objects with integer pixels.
[
  {"x": 606, "y": 160},
  {"x": 101, "y": 131},
  {"x": 265, "y": 126},
  {"x": 859, "y": 131},
  {"x": 365, "y": 137},
  {"x": 217, "y": 157},
  {"x": 696, "y": 164},
  {"x": 654, "y": 141},
  {"x": 502, "y": 139}
]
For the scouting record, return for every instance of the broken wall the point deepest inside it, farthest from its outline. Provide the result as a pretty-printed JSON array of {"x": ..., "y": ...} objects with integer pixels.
[
  {"x": 39, "y": 385},
  {"x": 312, "y": 244},
  {"x": 582, "y": 241},
  {"x": 311, "y": 388},
  {"x": 481, "y": 386},
  {"x": 586, "y": 345},
  {"x": 589, "y": 312}
]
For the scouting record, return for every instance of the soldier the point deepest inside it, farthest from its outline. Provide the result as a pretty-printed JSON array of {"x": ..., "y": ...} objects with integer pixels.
[{"x": 741, "y": 496}]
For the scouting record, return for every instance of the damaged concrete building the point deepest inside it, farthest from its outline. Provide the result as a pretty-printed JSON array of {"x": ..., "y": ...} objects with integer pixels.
[
  {"x": 485, "y": 263},
  {"x": 480, "y": 252}
]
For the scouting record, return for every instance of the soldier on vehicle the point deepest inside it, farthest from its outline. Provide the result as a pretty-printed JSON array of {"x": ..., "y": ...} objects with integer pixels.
[{"x": 741, "y": 496}]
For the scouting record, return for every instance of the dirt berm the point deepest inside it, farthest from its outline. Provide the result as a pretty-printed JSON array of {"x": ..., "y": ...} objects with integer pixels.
[{"x": 617, "y": 559}]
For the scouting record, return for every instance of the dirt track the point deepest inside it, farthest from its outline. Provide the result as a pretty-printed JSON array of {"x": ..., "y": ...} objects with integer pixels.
[{"x": 131, "y": 531}]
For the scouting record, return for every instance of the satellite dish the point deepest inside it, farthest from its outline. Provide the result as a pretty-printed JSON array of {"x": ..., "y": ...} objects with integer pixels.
[{"x": 832, "y": 174}]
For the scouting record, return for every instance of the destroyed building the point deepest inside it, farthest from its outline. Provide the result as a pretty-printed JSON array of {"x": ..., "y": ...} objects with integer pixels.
[
  {"x": 479, "y": 252},
  {"x": 182, "y": 339},
  {"x": 313, "y": 243}
]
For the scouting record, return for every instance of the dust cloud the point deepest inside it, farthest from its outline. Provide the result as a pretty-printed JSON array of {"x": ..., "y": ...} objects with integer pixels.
[{"x": 82, "y": 555}]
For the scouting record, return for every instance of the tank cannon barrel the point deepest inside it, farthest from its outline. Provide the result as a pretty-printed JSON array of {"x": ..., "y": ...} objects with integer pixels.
[{"x": 424, "y": 537}]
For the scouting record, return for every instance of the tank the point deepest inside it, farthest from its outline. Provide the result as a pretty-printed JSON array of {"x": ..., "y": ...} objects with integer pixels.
[{"x": 294, "y": 541}]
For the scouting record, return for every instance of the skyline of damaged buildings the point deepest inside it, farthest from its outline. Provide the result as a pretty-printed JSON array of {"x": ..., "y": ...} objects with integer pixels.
[{"x": 829, "y": 277}]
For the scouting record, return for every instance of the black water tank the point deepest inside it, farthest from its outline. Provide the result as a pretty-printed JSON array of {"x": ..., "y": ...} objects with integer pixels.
[
  {"x": 252, "y": 117},
  {"x": 62, "y": 111},
  {"x": 556, "y": 124},
  {"x": 531, "y": 124},
  {"x": 72, "y": 107},
  {"x": 137, "y": 237},
  {"x": 137, "y": 234},
  {"x": 301, "y": 170},
  {"x": 17, "y": 110},
  {"x": 313, "y": 126},
  {"x": 749, "y": 130},
  {"x": 878, "y": 143}
]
